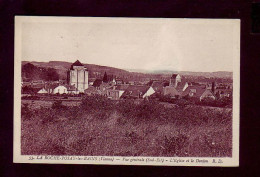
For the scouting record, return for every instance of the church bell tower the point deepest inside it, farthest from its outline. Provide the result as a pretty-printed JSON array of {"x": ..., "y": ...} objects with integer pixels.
[{"x": 78, "y": 76}]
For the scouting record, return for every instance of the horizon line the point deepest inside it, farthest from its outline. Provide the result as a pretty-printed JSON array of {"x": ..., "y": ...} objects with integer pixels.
[{"x": 129, "y": 69}]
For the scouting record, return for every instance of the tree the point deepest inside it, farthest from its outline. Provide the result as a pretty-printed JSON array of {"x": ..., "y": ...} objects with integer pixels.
[
  {"x": 213, "y": 87},
  {"x": 28, "y": 70},
  {"x": 51, "y": 74},
  {"x": 105, "y": 79},
  {"x": 32, "y": 72}
]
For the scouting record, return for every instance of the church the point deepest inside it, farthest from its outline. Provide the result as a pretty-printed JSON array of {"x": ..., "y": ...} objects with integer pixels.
[{"x": 77, "y": 76}]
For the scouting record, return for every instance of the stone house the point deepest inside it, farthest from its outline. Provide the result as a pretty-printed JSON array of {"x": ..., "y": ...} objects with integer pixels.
[
  {"x": 198, "y": 92},
  {"x": 116, "y": 92},
  {"x": 171, "y": 91},
  {"x": 138, "y": 91}
]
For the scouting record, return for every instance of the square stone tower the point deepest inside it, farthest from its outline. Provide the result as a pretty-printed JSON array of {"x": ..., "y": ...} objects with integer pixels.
[
  {"x": 174, "y": 80},
  {"x": 78, "y": 76}
]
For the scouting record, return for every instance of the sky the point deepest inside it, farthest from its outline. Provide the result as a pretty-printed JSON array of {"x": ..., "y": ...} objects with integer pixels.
[{"x": 133, "y": 43}]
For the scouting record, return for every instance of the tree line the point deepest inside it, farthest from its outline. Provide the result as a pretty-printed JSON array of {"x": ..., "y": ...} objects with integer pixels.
[{"x": 32, "y": 72}]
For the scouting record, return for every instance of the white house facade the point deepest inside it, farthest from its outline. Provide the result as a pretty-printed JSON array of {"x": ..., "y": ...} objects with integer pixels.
[
  {"x": 149, "y": 92},
  {"x": 60, "y": 90}
]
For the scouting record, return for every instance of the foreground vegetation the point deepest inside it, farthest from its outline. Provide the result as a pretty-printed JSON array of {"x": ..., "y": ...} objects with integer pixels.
[{"x": 100, "y": 126}]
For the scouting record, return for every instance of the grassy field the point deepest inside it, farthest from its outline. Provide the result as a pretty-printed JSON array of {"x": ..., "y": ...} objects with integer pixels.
[{"x": 99, "y": 126}]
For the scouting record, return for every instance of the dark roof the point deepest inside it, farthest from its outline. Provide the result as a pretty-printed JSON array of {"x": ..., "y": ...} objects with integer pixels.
[
  {"x": 180, "y": 86},
  {"x": 199, "y": 90},
  {"x": 76, "y": 63},
  {"x": 30, "y": 90},
  {"x": 51, "y": 86},
  {"x": 166, "y": 83},
  {"x": 135, "y": 90},
  {"x": 223, "y": 91},
  {"x": 37, "y": 85},
  {"x": 106, "y": 85},
  {"x": 174, "y": 76},
  {"x": 195, "y": 83},
  {"x": 158, "y": 86},
  {"x": 121, "y": 87},
  {"x": 36, "y": 90},
  {"x": 91, "y": 90},
  {"x": 168, "y": 90},
  {"x": 151, "y": 82}
]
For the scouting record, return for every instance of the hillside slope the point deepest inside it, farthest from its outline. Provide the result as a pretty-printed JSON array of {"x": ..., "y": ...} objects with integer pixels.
[
  {"x": 98, "y": 71},
  {"x": 94, "y": 70}
]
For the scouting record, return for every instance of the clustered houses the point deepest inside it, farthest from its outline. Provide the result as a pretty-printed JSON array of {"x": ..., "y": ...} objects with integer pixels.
[
  {"x": 78, "y": 81},
  {"x": 178, "y": 87},
  {"x": 196, "y": 91},
  {"x": 116, "y": 89}
]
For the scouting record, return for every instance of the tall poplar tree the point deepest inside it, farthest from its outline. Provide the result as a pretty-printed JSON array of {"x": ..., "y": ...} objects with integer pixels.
[{"x": 105, "y": 79}]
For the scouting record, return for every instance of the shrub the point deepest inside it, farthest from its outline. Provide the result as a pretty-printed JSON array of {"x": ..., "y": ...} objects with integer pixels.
[
  {"x": 167, "y": 98},
  {"x": 47, "y": 115},
  {"x": 102, "y": 114},
  {"x": 26, "y": 112},
  {"x": 193, "y": 131},
  {"x": 224, "y": 102},
  {"x": 126, "y": 107},
  {"x": 182, "y": 103},
  {"x": 208, "y": 101},
  {"x": 131, "y": 136},
  {"x": 221, "y": 102},
  {"x": 146, "y": 110},
  {"x": 97, "y": 102},
  {"x": 57, "y": 105},
  {"x": 175, "y": 144},
  {"x": 73, "y": 112}
]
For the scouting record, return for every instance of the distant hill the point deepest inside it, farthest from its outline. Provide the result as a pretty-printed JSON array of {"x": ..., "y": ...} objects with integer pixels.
[
  {"x": 219, "y": 74},
  {"x": 98, "y": 71},
  {"x": 95, "y": 70}
]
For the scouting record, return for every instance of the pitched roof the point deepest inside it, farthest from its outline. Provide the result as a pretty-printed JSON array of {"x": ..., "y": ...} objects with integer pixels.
[
  {"x": 168, "y": 90},
  {"x": 157, "y": 86},
  {"x": 150, "y": 82},
  {"x": 121, "y": 87},
  {"x": 38, "y": 85},
  {"x": 197, "y": 91},
  {"x": 92, "y": 90},
  {"x": 135, "y": 90},
  {"x": 51, "y": 86},
  {"x": 223, "y": 90},
  {"x": 36, "y": 90},
  {"x": 106, "y": 85},
  {"x": 174, "y": 76},
  {"x": 76, "y": 63},
  {"x": 180, "y": 86}
]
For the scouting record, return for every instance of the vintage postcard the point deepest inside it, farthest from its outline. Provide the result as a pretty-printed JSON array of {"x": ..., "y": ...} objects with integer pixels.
[{"x": 126, "y": 91}]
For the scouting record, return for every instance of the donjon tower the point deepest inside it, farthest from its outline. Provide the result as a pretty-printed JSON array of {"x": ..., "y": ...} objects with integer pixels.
[{"x": 78, "y": 76}]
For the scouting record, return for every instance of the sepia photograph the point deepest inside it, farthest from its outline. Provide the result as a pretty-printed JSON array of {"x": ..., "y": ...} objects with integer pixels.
[{"x": 126, "y": 91}]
